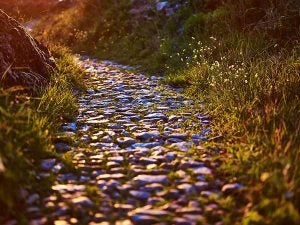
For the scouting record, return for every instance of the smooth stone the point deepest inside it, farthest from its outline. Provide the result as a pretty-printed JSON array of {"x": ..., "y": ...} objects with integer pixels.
[
  {"x": 202, "y": 171},
  {"x": 62, "y": 147},
  {"x": 187, "y": 188},
  {"x": 82, "y": 200},
  {"x": 126, "y": 141},
  {"x": 150, "y": 212},
  {"x": 174, "y": 140},
  {"x": 157, "y": 115},
  {"x": 57, "y": 168},
  {"x": 147, "y": 179},
  {"x": 229, "y": 188},
  {"x": 68, "y": 187},
  {"x": 70, "y": 127},
  {"x": 32, "y": 199},
  {"x": 118, "y": 159},
  {"x": 67, "y": 177},
  {"x": 143, "y": 219},
  {"x": 189, "y": 164},
  {"x": 123, "y": 222},
  {"x": 182, "y": 136},
  {"x": 103, "y": 145},
  {"x": 146, "y": 145},
  {"x": 139, "y": 194},
  {"x": 174, "y": 118},
  {"x": 189, "y": 210},
  {"x": 61, "y": 222},
  {"x": 182, "y": 221},
  {"x": 147, "y": 135},
  {"x": 47, "y": 164},
  {"x": 170, "y": 156},
  {"x": 93, "y": 122},
  {"x": 110, "y": 176},
  {"x": 207, "y": 193},
  {"x": 201, "y": 185},
  {"x": 183, "y": 146}
]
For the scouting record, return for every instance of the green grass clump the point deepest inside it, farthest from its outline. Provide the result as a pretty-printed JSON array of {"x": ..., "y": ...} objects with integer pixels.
[
  {"x": 253, "y": 95},
  {"x": 27, "y": 124}
]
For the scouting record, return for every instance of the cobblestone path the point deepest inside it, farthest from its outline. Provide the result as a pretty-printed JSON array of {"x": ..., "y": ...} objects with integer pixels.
[{"x": 137, "y": 150}]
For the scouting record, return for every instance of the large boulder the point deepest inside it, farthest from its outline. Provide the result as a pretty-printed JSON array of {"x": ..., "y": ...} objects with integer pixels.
[{"x": 23, "y": 60}]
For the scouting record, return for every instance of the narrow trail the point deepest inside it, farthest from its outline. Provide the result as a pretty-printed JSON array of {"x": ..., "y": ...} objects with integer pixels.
[{"x": 137, "y": 150}]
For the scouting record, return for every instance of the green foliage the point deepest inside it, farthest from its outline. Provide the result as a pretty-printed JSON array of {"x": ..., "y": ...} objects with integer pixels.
[
  {"x": 26, "y": 126},
  {"x": 255, "y": 103}
]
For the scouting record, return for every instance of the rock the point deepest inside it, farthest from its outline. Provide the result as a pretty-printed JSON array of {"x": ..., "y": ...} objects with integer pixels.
[
  {"x": 202, "y": 171},
  {"x": 189, "y": 210},
  {"x": 61, "y": 222},
  {"x": 162, "y": 5},
  {"x": 170, "y": 156},
  {"x": 139, "y": 194},
  {"x": 124, "y": 222},
  {"x": 32, "y": 199},
  {"x": 26, "y": 61},
  {"x": 143, "y": 219},
  {"x": 182, "y": 136},
  {"x": 187, "y": 188},
  {"x": 157, "y": 115},
  {"x": 201, "y": 185},
  {"x": 110, "y": 176},
  {"x": 183, "y": 146},
  {"x": 68, "y": 188},
  {"x": 229, "y": 188},
  {"x": 147, "y": 179},
  {"x": 126, "y": 141},
  {"x": 62, "y": 147},
  {"x": 146, "y": 161},
  {"x": 150, "y": 212},
  {"x": 83, "y": 201},
  {"x": 182, "y": 221},
  {"x": 47, "y": 164},
  {"x": 147, "y": 135},
  {"x": 70, "y": 127},
  {"x": 146, "y": 145}
]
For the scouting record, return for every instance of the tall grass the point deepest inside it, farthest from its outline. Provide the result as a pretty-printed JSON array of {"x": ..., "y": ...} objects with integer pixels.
[
  {"x": 27, "y": 124},
  {"x": 254, "y": 99}
]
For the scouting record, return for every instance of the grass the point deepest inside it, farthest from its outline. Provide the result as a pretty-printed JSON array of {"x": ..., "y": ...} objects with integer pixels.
[
  {"x": 27, "y": 124},
  {"x": 241, "y": 58},
  {"x": 254, "y": 102}
]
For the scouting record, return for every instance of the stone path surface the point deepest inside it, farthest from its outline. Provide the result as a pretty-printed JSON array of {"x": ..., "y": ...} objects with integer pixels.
[{"x": 138, "y": 157}]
